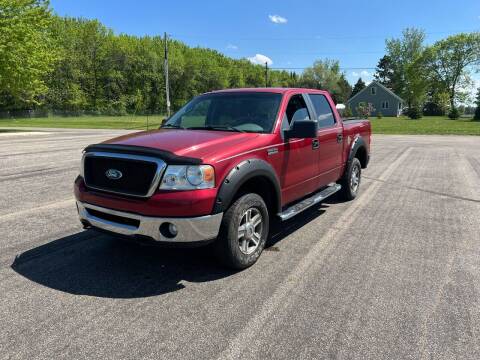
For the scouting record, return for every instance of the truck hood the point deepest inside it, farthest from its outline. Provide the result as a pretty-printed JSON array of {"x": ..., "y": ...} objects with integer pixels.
[{"x": 200, "y": 144}]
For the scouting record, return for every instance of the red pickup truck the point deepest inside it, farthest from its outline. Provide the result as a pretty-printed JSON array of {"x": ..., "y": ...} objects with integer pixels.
[{"x": 222, "y": 168}]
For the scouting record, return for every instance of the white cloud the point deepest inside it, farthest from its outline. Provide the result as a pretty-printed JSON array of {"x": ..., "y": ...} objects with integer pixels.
[
  {"x": 277, "y": 19},
  {"x": 232, "y": 47},
  {"x": 260, "y": 59},
  {"x": 363, "y": 74}
]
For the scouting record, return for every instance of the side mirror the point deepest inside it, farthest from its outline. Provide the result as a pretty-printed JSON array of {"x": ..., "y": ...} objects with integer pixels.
[
  {"x": 302, "y": 129},
  {"x": 164, "y": 121}
]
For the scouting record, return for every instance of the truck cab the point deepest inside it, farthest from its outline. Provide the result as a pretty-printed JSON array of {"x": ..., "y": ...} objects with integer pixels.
[{"x": 222, "y": 168}]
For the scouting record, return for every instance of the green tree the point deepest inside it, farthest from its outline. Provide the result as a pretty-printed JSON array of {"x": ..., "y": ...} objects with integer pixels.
[
  {"x": 449, "y": 59},
  {"x": 384, "y": 73},
  {"x": 359, "y": 86},
  {"x": 326, "y": 75},
  {"x": 403, "y": 54},
  {"x": 345, "y": 89},
  {"x": 27, "y": 52}
]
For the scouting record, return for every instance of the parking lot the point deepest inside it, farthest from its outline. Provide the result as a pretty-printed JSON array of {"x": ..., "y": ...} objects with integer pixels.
[{"x": 394, "y": 274}]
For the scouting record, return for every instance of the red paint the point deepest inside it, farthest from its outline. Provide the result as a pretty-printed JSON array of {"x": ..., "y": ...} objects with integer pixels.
[{"x": 300, "y": 170}]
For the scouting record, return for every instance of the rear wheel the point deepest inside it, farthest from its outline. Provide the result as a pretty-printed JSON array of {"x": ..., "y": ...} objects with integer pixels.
[
  {"x": 243, "y": 232},
  {"x": 351, "y": 179}
]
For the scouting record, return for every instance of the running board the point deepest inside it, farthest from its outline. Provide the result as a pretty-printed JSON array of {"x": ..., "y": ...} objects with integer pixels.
[{"x": 312, "y": 200}]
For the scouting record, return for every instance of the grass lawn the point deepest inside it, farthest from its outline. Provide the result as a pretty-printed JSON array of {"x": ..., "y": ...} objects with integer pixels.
[
  {"x": 87, "y": 122},
  {"x": 428, "y": 125}
]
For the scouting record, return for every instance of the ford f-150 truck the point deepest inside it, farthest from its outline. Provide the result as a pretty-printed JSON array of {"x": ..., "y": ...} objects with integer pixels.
[{"x": 222, "y": 168}]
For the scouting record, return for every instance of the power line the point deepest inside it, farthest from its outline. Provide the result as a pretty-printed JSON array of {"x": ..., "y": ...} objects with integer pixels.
[
  {"x": 318, "y": 37},
  {"x": 303, "y": 68},
  {"x": 311, "y": 53}
]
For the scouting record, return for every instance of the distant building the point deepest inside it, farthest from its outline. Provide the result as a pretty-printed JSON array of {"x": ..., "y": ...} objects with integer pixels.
[{"x": 382, "y": 99}]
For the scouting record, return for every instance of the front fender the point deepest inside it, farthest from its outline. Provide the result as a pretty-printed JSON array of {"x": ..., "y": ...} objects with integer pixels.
[{"x": 239, "y": 175}]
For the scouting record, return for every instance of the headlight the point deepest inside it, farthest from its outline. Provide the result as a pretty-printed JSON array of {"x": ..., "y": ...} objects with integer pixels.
[{"x": 182, "y": 177}]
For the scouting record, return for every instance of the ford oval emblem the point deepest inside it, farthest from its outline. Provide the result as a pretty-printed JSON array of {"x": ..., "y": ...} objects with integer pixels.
[{"x": 113, "y": 174}]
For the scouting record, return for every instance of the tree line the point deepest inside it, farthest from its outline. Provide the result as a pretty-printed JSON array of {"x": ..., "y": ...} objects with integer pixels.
[
  {"x": 68, "y": 65},
  {"x": 76, "y": 66}
]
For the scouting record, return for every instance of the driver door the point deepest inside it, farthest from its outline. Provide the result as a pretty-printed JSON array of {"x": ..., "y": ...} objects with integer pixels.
[{"x": 299, "y": 168}]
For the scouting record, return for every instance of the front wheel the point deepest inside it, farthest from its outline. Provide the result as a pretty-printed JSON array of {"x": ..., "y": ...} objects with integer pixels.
[
  {"x": 351, "y": 179},
  {"x": 243, "y": 232}
]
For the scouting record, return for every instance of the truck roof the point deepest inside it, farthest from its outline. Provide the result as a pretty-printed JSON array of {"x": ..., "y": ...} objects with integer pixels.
[{"x": 278, "y": 90}]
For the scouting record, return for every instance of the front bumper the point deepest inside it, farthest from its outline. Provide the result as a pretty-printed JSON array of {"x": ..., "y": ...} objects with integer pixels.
[{"x": 189, "y": 230}]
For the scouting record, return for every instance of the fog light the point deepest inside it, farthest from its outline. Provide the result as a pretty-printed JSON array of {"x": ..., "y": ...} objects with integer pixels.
[
  {"x": 172, "y": 229},
  {"x": 168, "y": 230}
]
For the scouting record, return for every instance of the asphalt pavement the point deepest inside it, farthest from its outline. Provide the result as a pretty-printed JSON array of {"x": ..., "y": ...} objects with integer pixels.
[{"x": 394, "y": 274}]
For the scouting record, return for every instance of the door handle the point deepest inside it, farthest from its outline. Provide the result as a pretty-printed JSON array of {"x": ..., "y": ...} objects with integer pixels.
[
  {"x": 339, "y": 138},
  {"x": 315, "y": 144}
]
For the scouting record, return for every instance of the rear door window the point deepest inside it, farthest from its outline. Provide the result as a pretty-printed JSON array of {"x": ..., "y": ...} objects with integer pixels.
[{"x": 323, "y": 110}]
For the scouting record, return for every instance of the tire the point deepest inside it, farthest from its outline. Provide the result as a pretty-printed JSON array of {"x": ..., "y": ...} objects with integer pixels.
[
  {"x": 351, "y": 180},
  {"x": 231, "y": 248}
]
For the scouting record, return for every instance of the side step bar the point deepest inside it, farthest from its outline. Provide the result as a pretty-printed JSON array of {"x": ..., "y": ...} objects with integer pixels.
[{"x": 312, "y": 200}]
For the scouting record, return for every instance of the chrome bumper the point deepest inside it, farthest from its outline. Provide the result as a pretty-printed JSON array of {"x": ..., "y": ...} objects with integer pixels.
[{"x": 193, "y": 229}]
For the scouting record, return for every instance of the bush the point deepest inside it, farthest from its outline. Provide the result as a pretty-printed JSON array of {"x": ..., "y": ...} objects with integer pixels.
[
  {"x": 477, "y": 114},
  {"x": 454, "y": 114},
  {"x": 347, "y": 113},
  {"x": 364, "y": 109},
  {"x": 414, "y": 112},
  {"x": 379, "y": 115}
]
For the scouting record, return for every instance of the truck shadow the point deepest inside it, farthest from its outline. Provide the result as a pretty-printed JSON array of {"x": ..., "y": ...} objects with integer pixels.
[{"x": 96, "y": 264}]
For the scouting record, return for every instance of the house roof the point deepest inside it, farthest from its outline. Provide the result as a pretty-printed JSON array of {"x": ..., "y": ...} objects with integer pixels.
[{"x": 379, "y": 85}]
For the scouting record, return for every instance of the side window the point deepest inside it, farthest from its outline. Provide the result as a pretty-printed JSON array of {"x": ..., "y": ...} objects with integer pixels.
[
  {"x": 324, "y": 112},
  {"x": 373, "y": 89},
  {"x": 296, "y": 110}
]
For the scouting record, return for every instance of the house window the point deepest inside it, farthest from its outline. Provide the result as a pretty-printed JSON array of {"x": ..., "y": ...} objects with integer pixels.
[
  {"x": 373, "y": 89},
  {"x": 384, "y": 104},
  {"x": 399, "y": 106}
]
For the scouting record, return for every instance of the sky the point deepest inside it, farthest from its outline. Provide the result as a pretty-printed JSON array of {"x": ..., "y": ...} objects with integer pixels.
[{"x": 285, "y": 33}]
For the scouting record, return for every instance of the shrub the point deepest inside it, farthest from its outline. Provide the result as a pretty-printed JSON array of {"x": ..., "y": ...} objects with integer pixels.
[
  {"x": 414, "y": 112},
  {"x": 454, "y": 114},
  {"x": 379, "y": 115},
  {"x": 347, "y": 112},
  {"x": 364, "y": 109},
  {"x": 477, "y": 114}
]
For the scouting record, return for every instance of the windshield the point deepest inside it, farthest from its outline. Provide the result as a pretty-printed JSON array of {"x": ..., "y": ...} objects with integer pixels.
[{"x": 244, "y": 112}]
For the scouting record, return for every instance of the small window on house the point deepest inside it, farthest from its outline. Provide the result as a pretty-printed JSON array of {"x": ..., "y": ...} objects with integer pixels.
[
  {"x": 399, "y": 106},
  {"x": 384, "y": 104},
  {"x": 373, "y": 89}
]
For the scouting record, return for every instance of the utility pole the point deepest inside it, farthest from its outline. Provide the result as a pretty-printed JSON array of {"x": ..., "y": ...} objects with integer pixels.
[
  {"x": 167, "y": 84},
  {"x": 266, "y": 74}
]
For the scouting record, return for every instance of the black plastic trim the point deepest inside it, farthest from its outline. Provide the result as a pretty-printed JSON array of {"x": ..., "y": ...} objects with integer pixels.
[
  {"x": 167, "y": 156},
  {"x": 357, "y": 144},
  {"x": 240, "y": 174}
]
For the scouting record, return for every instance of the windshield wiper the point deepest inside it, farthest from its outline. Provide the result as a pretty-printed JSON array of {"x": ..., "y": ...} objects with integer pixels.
[
  {"x": 173, "y": 126},
  {"x": 216, "y": 127}
]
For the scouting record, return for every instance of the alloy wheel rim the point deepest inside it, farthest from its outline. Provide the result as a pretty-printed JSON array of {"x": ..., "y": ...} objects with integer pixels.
[
  {"x": 355, "y": 179},
  {"x": 250, "y": 231}
]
